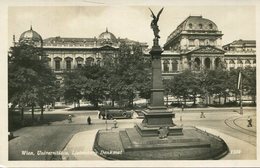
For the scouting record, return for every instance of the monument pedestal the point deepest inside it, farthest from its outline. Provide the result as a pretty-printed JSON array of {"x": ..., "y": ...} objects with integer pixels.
[
  {"x": 158, "y": 116},
  {"x": 157, "y": 137},
  {"x": 129, "y": 144},
  {"x": 156, "y": 119}
]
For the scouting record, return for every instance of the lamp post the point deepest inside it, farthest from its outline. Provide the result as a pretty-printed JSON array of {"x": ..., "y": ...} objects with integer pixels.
[
  {"x": 241, "y": 93},
  {"x": 106, "y": 118},
  {"x": 240, "y": 86}
]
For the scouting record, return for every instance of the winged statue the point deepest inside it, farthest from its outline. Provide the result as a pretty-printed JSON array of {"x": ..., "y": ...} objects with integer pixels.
[{"x": 154, "y": 22}]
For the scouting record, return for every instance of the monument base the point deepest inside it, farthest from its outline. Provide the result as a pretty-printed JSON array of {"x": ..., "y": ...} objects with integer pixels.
[
  {"x": 153, "y": 131},
  {"x": 158, "y": 117},
  {"x": 129, "y": 144}
]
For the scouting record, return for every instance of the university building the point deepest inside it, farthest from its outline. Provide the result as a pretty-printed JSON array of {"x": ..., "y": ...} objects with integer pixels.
[
  {"x": 195, "y": 44},
  {"x": 66, "y": 54}
]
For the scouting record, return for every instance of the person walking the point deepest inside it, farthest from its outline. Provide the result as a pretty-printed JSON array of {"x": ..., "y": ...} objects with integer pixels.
[
  {"x": 249, "y": 120},
  {"x": 202, "y": 115},
  {"x": 70, "y": 118},
  {"x": 99, "y": 114},
  {"x": 89, "y": 120},
  {"x": 115, "y": 123}
]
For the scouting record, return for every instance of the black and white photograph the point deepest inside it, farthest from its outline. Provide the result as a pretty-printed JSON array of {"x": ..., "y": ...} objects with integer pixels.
[{"x": 99, "y": 83}]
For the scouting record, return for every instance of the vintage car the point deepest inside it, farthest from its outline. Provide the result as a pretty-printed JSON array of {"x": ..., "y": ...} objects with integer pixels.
[{"x": 115, "y": 113}]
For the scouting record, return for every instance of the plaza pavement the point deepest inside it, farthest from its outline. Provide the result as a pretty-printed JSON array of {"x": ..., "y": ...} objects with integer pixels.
[
  {"x": 77, "y": 137},
  {"x": 80, "y": 146}
]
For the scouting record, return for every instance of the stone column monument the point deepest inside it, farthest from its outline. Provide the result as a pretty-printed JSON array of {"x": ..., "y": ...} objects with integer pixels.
[
  {"x": 157, "y": 116},
  {"x": 157, "y": 137}
]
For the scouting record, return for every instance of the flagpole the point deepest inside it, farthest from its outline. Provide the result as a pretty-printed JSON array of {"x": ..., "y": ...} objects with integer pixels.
[{"x": 241, "y": 88}]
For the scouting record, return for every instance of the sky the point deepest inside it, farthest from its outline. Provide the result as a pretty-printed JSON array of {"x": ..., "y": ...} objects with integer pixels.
[{"x": 132, "y": 22}]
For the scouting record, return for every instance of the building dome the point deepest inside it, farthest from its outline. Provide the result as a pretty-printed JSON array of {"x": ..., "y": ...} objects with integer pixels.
[
  {"x": 107, "y": 36},
  {"x": 198, "y": 23},
  {"x": 31, "y": 37}
]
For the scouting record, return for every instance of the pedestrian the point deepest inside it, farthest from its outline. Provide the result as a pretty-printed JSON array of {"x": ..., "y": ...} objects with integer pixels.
[
  {"x": 249, "y": 120},
  {"x": 89, "y": 120},
  {"x": 99, "y": 115},
  {"x": 115, "y": 123},
  {"x": 202, "y": 115},
  {"x": 70, "y": 118},
  {"x": 182, "y": 107}
]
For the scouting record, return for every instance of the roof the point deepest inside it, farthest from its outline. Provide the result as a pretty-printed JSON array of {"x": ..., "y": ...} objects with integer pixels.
[
  {"x": 193, "y": 24},
  {"x": 198, "y": 23},
  {"x": 241, "y": 42},
  {"x": 30, "y": 35},
  {"x": 72, "y": 42},
  {"x": 68, "y": 41},
  {"x": 107, "y": 36}
]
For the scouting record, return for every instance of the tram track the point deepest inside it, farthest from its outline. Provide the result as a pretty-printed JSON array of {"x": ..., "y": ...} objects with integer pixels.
[{"x": 231, "y": 123}]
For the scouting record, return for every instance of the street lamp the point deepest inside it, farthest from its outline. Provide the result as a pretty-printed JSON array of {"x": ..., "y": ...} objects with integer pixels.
[{"x": 240, "y": 86}]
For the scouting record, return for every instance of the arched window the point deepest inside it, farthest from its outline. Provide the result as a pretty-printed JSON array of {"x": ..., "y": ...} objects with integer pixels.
[
  {"x": 217, "y": 62},
  {"x": 226, "y": 64},
  {"x": 196, "y": 42},
  {"x": 197, "y": 64},
  {"x": 174, "y": 65},
  {"x": 57, "y": 65},
  {"x": 232, "y": 64},
  {"x": 68, "y": 63},
  {"x": 207, "y": 63},
  {"x": 57, "y": 61},
  {"x": 190, "y": 26},
  {"x": 210, "y": 26},
  {"x": 239, "y": 63},
  {"x": 200, "y": 26},
  {"x": 206, "y": 41},
  {"x": 165, "y": 66}
]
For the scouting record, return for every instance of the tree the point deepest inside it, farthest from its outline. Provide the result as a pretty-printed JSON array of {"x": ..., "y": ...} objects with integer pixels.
[
  {"x": 120, "y": 77},
  {"x": 72, "y": 87},
  {"x": 132, "y": 70},
  {"x": 232, "y": 83},
  {"x": 48, "y": 91},
  {"x": 145, "y": 89},
  {"x": 29, "y": 77},
  {"x": 249, "y": 82},
  {"x": 167, "y": 89},
  {"x": 94, "y": 83},
  {"x": 216, "y": 82},
  {"x": 186, "y": 85}
]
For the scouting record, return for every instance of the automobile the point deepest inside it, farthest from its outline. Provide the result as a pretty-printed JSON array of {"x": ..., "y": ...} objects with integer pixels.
[
  {"x": 139, "y": 113},
  {"x": 115, "y": 113}
]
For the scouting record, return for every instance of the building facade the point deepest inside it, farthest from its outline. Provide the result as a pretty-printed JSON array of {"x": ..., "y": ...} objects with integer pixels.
[
  {"x": 66, "y": 54},
  {"x": 196, "y": 44},
  {"x": 240, "y": 54}
]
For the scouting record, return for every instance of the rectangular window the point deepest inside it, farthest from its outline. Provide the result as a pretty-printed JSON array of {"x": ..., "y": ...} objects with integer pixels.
[
  {"x": 68, "y": 65},
  {"x": 57, "y": 65}
]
